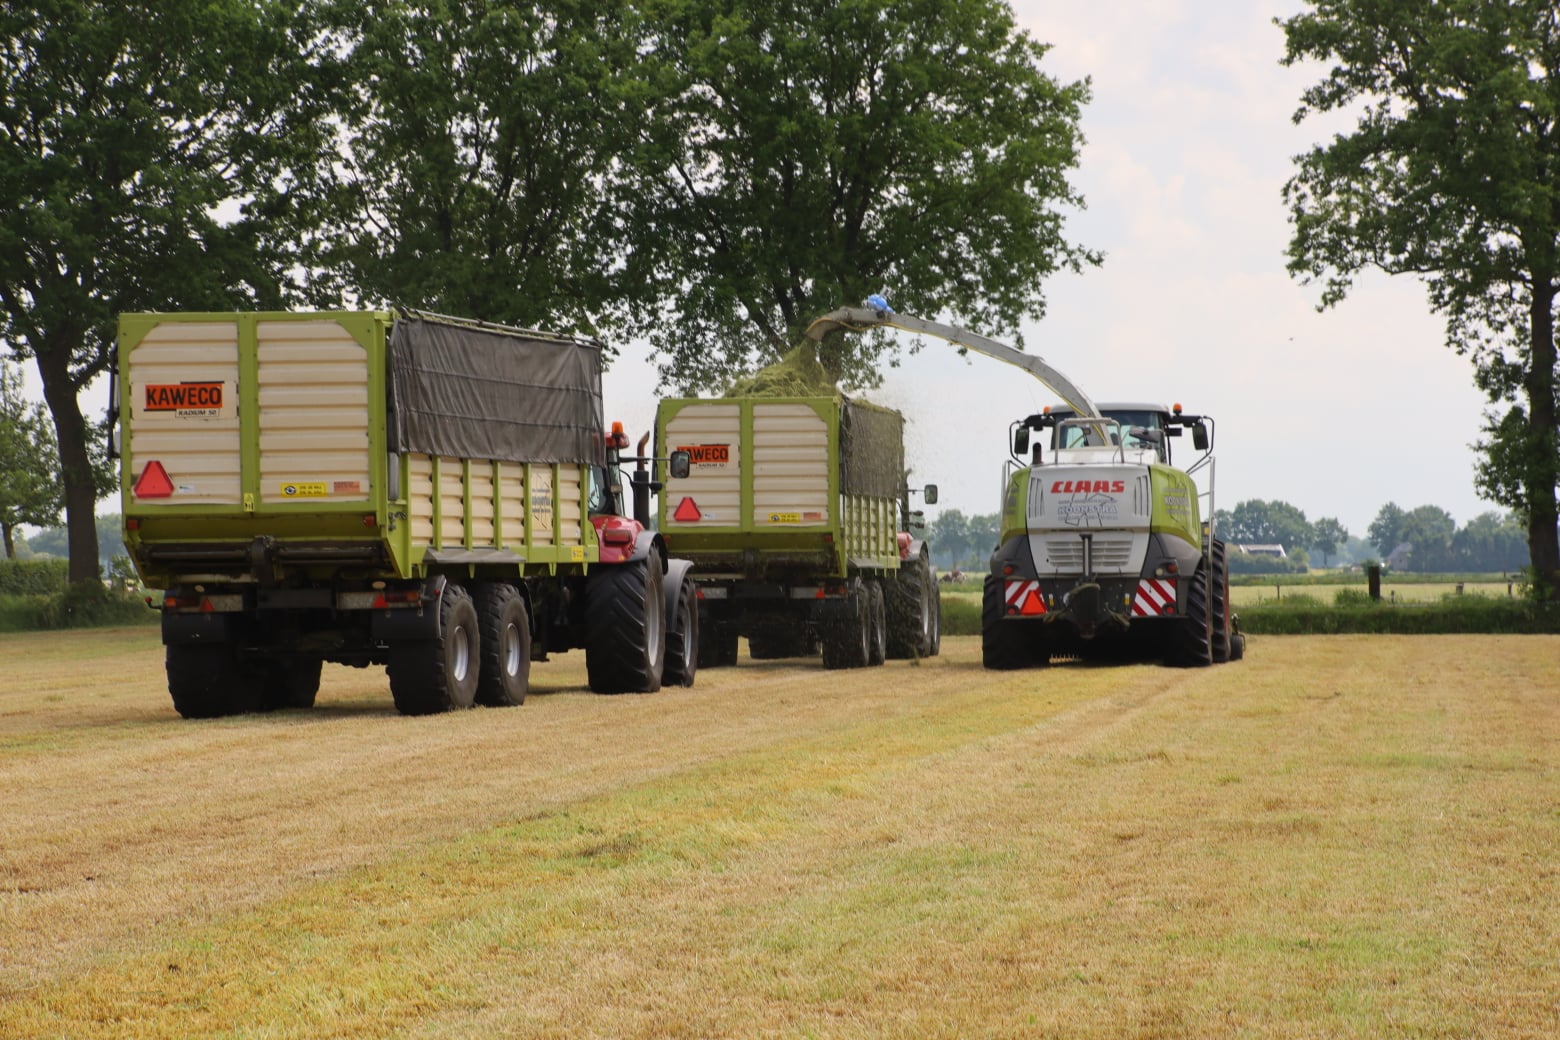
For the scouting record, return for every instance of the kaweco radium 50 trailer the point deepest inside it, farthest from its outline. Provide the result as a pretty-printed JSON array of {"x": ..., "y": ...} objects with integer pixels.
[
  {"x": 795, "y": 514},
  {"x": 431, "y": 494}
]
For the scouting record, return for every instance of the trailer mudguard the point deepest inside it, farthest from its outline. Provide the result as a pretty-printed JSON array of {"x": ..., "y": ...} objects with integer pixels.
[{"x": 409, "y": 624}]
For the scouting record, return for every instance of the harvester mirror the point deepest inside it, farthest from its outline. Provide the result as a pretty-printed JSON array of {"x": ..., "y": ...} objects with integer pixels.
[
  {"x": 1021, "y": 441},
  {"x": 1200, "y": 436},
  {"x": 680, "y": 463},
  {"x": 930, "y": 494}
]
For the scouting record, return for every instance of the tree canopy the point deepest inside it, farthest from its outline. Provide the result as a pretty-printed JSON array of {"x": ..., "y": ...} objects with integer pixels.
[
  {"x": 794, "y": 156},
  {"x": 479, "y": 155},
  {"x": 1265, "y": 523},
  {"x": 1452, "y": 174},
  {"x": 30, "y": 492},
  {"x": 153, "y": 156}
]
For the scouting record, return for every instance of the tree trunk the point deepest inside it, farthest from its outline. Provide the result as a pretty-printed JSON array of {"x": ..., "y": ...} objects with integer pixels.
[
  {"x": 10, "y": 540},
  {"x": 70, "y": 429},
  {"x": 1543, "y": 464}
]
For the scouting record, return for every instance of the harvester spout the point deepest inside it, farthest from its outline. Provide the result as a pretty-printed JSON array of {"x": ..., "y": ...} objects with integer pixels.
[{"x": 856, "y": 319}]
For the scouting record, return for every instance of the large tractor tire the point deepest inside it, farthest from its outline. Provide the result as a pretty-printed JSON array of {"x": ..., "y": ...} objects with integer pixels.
[
  {"x": 207, "y": 681},
  {"x": 625, "y": 626},
  {"x": 877, "y": 639},
  {"x": 505, "y": 624},
  {"x": 717, "y": 645},
  {"x": 682, "y": 645},
  {"x": 1219, "y": 632},
  {"x": 1191, "y": 640},
  {"x": 288, "y": 682},
  {"x": 1006, "y": 645},
  {"x": 911, "y": 604},
  {"x": 847, "y": 635},
  {"x": 934, "y": 633},
  {"x": 439, "y": 675}
]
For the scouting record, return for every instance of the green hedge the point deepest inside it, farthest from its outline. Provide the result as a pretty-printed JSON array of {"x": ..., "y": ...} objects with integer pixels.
[
  {"x": 1352, "y": 612},
  {"x": 33, "y": 577},
  {"x": 78, "y": 606},
  {"x": 1474, "y": 614}
]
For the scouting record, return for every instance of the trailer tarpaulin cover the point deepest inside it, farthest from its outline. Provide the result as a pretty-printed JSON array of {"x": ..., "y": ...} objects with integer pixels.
[
  {"x": 485, "y": 392},
  {"x": 872, "y": 450}
]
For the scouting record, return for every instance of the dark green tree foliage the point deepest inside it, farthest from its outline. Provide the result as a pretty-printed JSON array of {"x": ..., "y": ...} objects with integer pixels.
[
  {"x": 1255, "y": 522},
  {"x": 30, "y": 491},
  {"x": 153, "y": 155},
  {"x": 1327, "y": 536},
  {"x": 1386, "y": 531},
  {"x": 1491, "y": 542},
  {"x": 479, "y": 158},
  {"x": 794, "y": 156},
  {"x": 963, "y": 541},
  {"x": 1452, "y": 173}
]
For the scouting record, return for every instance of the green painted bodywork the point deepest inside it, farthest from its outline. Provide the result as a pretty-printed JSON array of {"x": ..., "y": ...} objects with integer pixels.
[{"x": 1175, "y": 511}]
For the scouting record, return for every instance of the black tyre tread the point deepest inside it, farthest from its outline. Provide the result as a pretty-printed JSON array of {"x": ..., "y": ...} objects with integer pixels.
[
  {"x": 1007, "y": 645},
  {"x": 845, "y": 636},
  {"x": 501, "y": 620},
  {"x": 625, "y": 627},
  {"x": 934, "y": 636},
  {"x": 717, "y": 646},
  {"x": 1219, "y": 631},
  {"x": 905, "y": 605},
  {"x": 682, "y": 640},
  {"x": 1190, "y": 643},
  {"x": 877, "y": 620},
  {"x": 206, "y": 682},
  {"x": 288, "y": 683},
  {"x": 909, "y": 600},
  {"x": 421, "y": 680}
]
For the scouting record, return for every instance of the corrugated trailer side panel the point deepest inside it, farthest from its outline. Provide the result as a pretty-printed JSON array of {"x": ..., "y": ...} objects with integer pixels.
[
  {"x": 313, "y": 411},
  {"x": 792, "y": 464}
]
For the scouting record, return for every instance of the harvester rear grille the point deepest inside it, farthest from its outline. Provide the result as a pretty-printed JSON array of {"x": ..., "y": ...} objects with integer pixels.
[{"x": 1112, "y": 552}]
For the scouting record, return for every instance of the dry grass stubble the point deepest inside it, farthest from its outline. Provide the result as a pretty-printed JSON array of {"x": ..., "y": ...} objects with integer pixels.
[{"x": 1339, "y": 836}]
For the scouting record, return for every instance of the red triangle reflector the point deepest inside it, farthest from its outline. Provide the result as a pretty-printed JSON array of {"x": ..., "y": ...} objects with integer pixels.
[
  {"x": 153, "y": 482},
  {"x": 1032, "y": 604},
  {"x": 687, "y": 512}
]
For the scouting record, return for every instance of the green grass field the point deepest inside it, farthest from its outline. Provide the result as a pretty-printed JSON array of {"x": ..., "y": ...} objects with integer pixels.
[{"x": 1337, "y": 837}]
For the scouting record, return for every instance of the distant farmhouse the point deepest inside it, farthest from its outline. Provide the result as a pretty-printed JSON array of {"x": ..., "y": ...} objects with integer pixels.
[{"x": 1264, "y": 550}]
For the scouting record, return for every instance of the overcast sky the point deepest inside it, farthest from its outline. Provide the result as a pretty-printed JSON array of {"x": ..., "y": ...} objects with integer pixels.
[{"x": 1190, "y": 140}]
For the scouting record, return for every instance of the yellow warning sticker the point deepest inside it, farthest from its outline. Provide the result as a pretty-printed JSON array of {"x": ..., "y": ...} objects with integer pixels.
[
  {"x": 577, "y": 553},
  {"x": 298, "y": 489},
  {"x": 785, "y": 518}
]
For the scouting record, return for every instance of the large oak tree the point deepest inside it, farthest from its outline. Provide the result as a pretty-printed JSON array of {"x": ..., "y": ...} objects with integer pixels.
[
  {"x": 477, "y": 157},
  {"x": 1451, "y": 173},
  {"x": 796, "y": 155},
  {"x": 152, "y": 156}
]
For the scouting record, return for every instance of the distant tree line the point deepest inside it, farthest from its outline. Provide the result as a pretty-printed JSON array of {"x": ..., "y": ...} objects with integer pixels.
[
  {"x": 1421, "y": 540},
  {"x": 1425, "y": 539}
]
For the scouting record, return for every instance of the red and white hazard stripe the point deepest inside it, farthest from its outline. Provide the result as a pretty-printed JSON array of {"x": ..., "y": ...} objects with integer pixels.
[
  {"x": 1023, "y": 597},
  {"x": 1155, "y": 596}
]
